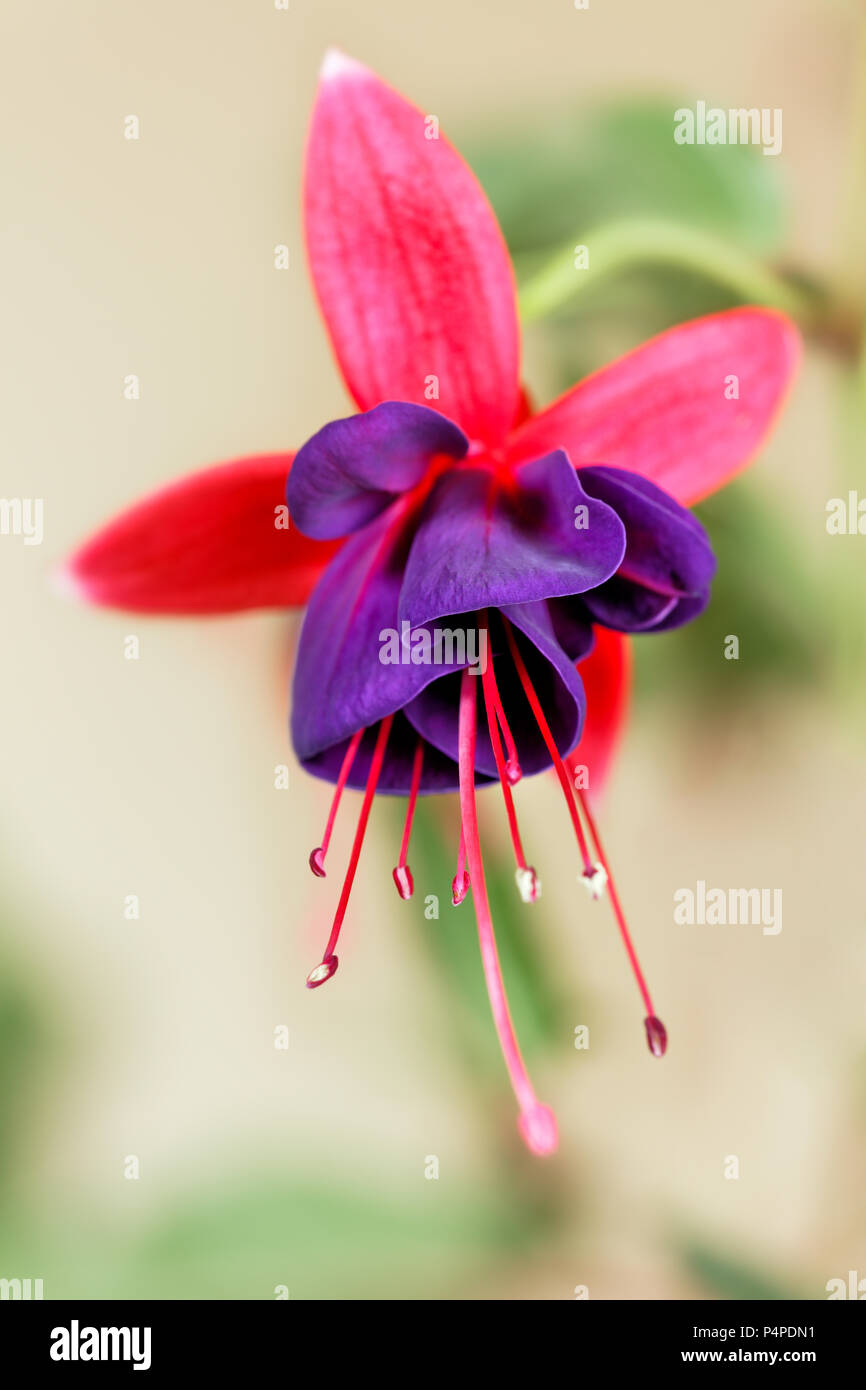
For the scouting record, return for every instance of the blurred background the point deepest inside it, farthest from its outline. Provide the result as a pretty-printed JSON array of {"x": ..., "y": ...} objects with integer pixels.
[{"x": 303, "y": 1167}]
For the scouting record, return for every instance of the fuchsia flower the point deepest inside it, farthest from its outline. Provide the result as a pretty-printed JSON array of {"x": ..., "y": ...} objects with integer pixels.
[{"x": 446, "y": 504}]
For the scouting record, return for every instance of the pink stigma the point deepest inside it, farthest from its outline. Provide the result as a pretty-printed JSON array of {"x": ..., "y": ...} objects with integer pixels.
[
  {"x": 538, "y": 1129},
  {"x": 536, "y": 1123}
]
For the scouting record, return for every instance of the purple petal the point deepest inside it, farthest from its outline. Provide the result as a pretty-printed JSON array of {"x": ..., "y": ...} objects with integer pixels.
[
  {"x": 572, "y": 627},
  {"x": 667, "y": 548},
  {"x": 352, "y": 469},
  {"x": 486, "y": 540},
  {"x": 627, "y": 607},
  {"x": 668, "y": 556},
  {"x": 439, "y": 773},
  {"x": 682, "y": 612},
  {"x": 434, "y": 712},
  {"x": 341, "y": 682}
]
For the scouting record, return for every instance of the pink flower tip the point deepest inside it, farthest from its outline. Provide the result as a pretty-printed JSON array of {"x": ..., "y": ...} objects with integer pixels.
[
  {"x": 336, "y": 63},
  {"x": 69, "y": 585},
  {"x": 317, "y": 862},
  {"x": 538, "y": 1129}
]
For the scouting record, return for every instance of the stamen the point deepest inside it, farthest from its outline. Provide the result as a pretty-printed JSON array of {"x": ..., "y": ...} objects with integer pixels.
[
  {"x": 329, "y": 963},
  {"x": 317, "y": 856},
  {"x": 527, "y": 882},
  {"x": 460, "y": 881},
  {"x": 513, "y": 771},
  {"x": 656, "y": 1034},
  {"x": 402, "y": 873},
  {"x": 596, "y": 882},
  {"x": 322, "y": 972},
  {"x": 537, "y": 1123},
  {"x": 559, "y": 765}
]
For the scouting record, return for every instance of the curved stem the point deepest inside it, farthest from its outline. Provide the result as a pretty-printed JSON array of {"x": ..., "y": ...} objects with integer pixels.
[{"x": 620, "y": 245}]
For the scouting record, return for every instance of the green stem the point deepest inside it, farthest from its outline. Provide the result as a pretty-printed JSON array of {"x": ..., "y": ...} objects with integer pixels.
[{"x": 618, "y": 246}]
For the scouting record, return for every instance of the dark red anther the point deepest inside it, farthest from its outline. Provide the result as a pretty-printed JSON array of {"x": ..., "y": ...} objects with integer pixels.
[
  {"x": 317, "y": 857},
  {"x": 656, "y": 1035},
  {"x": 459, "y": 888},
  {"x": 323, "y": 972},
  {"x": 404, "y": 881},
  {"x": 402, "y": 873}
]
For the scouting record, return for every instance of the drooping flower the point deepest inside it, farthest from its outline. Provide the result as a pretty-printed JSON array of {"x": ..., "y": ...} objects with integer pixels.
[{"x": 456, "y": 549}]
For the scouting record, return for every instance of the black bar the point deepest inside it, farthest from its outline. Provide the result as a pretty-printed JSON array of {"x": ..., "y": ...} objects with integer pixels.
[{"x": 645, "y": 1337}]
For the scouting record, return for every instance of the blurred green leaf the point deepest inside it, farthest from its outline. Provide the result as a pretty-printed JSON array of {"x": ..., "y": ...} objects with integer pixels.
[
  {"x": 452, "y": 940},
  {"x": 615, "y": 315},
  {"x": 612, "y": 316},
  {"x": 320, "y": 1240},
  {"x": 551, "y": 183},
  {"x": 765, "y": 592},
  {"x": 328, "y": 1242},
  {"x": 725, "y": 1276},
  {"x": 23, "y": 1041}
]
